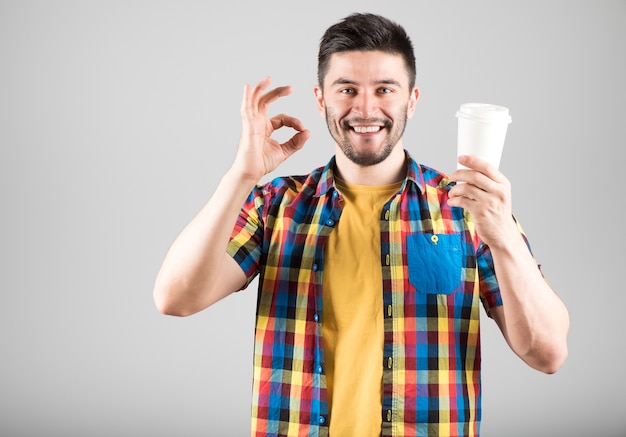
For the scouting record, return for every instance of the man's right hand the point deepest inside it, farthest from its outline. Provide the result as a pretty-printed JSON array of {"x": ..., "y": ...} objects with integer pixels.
[{"x": 258, "y": 153}]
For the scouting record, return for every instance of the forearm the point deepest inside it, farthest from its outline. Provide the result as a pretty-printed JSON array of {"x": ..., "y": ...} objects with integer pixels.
[
  {"x": 184, "y": 284},
  {"x": 535, "y": 322}
]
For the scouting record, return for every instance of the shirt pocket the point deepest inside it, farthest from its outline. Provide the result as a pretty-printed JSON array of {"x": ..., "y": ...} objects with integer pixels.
[{"x": 435, "y": 262}]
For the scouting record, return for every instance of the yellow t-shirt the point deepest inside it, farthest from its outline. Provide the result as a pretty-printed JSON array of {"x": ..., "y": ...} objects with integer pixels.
[{"x": 352, "y": 313}]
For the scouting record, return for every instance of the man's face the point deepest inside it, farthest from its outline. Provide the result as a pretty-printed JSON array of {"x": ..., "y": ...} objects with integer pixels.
[{"x": 366, "y": 101}]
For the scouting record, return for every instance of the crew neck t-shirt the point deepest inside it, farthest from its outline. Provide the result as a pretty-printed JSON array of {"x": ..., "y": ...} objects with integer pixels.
[{"x": 352, "y": 313}]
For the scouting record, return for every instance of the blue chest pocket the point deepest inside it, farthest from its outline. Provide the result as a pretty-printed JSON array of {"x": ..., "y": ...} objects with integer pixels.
[{"x": 435, "y": 262}]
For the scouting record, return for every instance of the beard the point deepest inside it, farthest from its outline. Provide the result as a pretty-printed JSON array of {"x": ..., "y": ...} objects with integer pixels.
[{"x": 340, "y": 132}]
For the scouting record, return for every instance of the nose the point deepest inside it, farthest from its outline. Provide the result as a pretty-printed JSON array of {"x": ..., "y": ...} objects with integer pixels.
[{"x": 365, "y": 105}]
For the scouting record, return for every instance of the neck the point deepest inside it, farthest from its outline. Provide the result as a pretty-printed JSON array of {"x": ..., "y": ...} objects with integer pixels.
[{"x": 392, "y": 169}]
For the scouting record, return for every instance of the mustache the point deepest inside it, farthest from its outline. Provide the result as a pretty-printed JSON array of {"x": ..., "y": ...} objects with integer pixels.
[{"x": 346, "y": 123}]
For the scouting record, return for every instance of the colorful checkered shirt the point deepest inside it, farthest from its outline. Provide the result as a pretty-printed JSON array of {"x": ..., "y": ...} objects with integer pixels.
[{"x": 435, "y": 272}]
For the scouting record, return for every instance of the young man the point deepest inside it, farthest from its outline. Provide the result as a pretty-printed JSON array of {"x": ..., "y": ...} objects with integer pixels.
[{"x": 371, "y": 268}]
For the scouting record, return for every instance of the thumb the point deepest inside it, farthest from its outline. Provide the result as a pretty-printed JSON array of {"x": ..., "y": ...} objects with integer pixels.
[{"x": 296, "y": 142}]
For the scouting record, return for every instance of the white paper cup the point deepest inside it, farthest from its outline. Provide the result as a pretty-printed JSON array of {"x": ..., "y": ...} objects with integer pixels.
[{"x": 481, "y": 132}]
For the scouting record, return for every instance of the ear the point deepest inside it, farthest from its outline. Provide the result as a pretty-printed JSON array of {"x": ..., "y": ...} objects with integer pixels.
[
  {"x": 415, "y": 94},
  {"x": 319, "y": 98}
]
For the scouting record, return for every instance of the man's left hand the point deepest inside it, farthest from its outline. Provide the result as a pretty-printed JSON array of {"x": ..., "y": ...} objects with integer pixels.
[{"x": 485, "y": 193}]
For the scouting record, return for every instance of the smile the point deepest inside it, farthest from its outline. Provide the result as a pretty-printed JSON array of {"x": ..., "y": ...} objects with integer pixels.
[{"x": 366, "y": 129}]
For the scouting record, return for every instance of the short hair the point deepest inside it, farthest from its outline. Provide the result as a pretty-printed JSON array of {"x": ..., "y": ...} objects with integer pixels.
[{"x": 365, "y": 32}]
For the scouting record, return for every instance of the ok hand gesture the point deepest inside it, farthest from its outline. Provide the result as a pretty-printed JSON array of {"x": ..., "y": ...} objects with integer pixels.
[{"x": 258, "y": 153}]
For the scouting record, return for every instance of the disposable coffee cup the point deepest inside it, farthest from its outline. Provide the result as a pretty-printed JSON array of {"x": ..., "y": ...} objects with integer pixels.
[{"x": 482, "y": 130}]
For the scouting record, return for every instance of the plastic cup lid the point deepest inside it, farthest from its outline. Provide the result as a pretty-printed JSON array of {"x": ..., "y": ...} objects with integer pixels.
[{"x": 484, "y": 112}]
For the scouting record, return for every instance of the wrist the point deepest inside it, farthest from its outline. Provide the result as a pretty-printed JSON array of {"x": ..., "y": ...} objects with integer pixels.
[
  {"x": 241, "y": 178},
  {"x": 509, "y": 241}
]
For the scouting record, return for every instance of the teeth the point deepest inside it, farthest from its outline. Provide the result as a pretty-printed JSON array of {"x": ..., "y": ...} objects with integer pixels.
[{"x": 366, "y": 129}]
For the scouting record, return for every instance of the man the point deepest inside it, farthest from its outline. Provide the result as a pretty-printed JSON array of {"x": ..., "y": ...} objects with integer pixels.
[{"x": 371, "y": 269}]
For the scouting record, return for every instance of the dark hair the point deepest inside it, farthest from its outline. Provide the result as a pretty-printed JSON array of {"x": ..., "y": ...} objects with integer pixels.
[{"x": 365, "y": 32}]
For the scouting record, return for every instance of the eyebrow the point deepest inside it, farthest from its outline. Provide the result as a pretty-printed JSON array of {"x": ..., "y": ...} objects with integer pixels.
[{"x": 345, "y": 81}]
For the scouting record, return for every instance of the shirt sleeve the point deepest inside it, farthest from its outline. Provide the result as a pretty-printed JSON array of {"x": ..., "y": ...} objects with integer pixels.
[
  {"x": 246, "y": 239},
  {"x": 488, "y": 282}
]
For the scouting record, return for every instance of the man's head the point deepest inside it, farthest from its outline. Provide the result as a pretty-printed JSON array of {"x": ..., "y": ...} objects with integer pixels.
[
  {"x": 367, "y": 87},
  {"x": 365, "y": 32}
]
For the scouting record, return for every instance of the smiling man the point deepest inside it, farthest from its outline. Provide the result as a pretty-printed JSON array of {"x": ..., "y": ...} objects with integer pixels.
[{"x": 373, "y": 268}]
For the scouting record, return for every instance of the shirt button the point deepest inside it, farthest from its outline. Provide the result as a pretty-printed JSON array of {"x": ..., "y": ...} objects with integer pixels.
[
  {"x": 330, "y": 222},
  {"x": 322, "y": 420},
  {"x": 316, "y": 317},
  {"x": 315, "y": 267},
  {"x": 319, "y": 369}
]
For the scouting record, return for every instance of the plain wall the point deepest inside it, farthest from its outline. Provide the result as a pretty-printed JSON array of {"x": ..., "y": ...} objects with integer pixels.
[{"x": 117, "y": 119}]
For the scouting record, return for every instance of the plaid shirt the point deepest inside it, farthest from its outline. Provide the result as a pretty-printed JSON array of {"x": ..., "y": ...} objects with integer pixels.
[{"x": 435, "y": 272}]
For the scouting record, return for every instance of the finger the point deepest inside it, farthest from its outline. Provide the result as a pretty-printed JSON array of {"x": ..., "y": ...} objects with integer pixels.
[
  {"x": 473, "y": 178},
  {"x": 251, "y": 95},
  {"x": 258, "y": 90},
  {"x": 245, "y": 100},
  {"x": 270, "y": 96},
  {"x": 284, "y": 120},
  {"x": 460, "y": 192},
  {"x": 465, "y": 191},
  {"x": 482, "y": 166}
]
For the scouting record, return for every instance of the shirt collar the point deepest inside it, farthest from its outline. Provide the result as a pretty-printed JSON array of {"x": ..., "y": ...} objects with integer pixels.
[{"x": 414, "y": 174}]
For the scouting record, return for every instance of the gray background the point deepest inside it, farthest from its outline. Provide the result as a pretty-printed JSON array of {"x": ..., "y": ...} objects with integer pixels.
[{"x": 117, "y": 119}]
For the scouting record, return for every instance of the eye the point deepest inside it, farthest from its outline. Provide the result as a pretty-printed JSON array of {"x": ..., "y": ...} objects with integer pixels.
[
  {"x": 347, "y": 91},
  {"x": 385, "y": 90}
]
